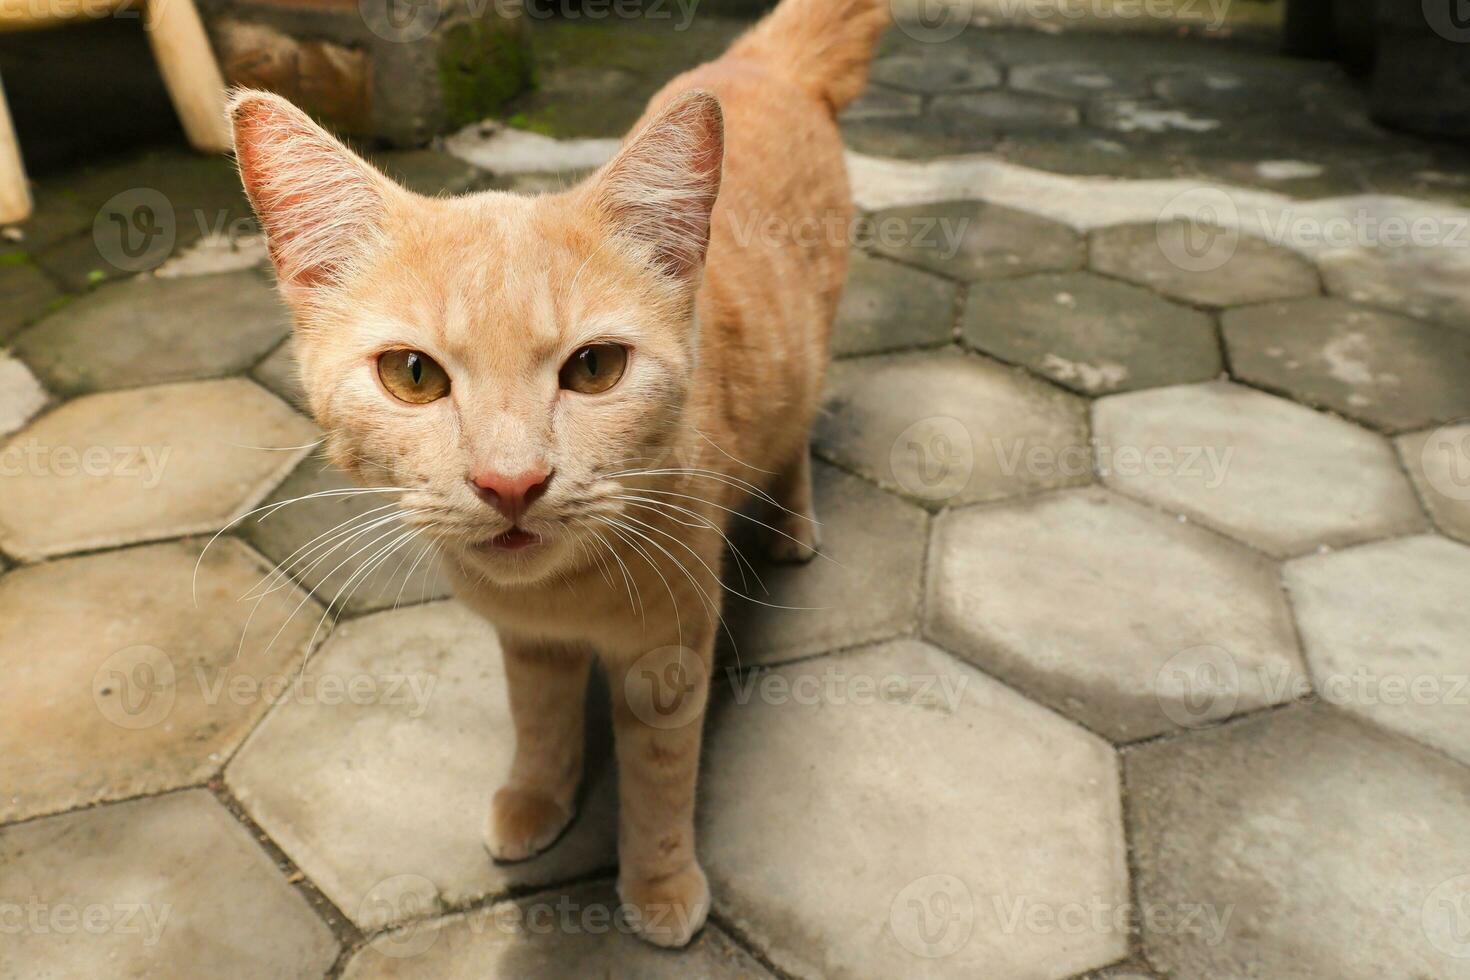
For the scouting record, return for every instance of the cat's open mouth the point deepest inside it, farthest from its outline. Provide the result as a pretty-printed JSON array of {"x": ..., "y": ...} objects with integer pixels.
[{"x": 513, "y": 540}]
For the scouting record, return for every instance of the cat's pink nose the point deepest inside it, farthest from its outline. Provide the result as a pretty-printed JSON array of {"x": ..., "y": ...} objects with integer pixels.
[{"x": 511, "y": 495}]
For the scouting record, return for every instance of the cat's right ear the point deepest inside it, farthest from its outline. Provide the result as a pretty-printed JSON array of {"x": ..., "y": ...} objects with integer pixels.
[{"x": 319, "y": 203}]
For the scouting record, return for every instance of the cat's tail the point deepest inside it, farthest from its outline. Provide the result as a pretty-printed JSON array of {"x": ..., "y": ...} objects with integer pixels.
[{"x": 824, "y": 46}]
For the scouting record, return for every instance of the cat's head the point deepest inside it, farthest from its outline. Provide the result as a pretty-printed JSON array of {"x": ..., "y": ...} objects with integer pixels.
[{"x": 502, "y": 357}]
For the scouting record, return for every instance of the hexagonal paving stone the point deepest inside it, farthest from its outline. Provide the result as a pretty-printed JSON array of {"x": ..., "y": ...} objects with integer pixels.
[
  {"x": 21, "y": 395},
  {"x": 1387, "y": 370},
  {"x": 1268, "y": 471},
  {"x": 335, "y": 545},
  {"x": 171, "y": 888},
  {"x": 1006, "y": 112},
  {"x": 1300, "y": 843},
  {"x": 152, "y": 330},
  {"x": 1428, "y": 283},
  {"x": 28, "y": 294},
  {"x": 1438, "y": 462},
  {"x": 1384, "y": 628},
  {"x": 1076, "y": 79},
  {"x": 1111, "y": 612},
  {"x": 123, "y": 467},
  {"x": 865, "y": 589},
  {"x": 887, "y": 306},
  {"x": 141, "y": 689},
  {"x": 1091, "y": 334},
  {"x": 919, "y": 137},
  {"x": 932, "y": 73},
  {"x": 577, "y": 933},
  {"x": 949, "y": 428},
  {"x": 381, "y": 794},
  {"x": 1164, "y": 257},
  {"x": 882, "y": 103},
  {"x": 972, "y": 240},
  {"x": 280, "y": 373},
  {"x": 816, "y": 776}
]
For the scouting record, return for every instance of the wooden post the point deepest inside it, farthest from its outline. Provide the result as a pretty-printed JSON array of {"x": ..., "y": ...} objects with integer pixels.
[{"x": 189, "y": 71}]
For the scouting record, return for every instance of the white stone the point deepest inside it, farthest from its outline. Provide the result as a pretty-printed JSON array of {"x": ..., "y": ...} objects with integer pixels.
[
  {"x": 21, "y": 395},
  {"x": 506, "y": 150}
]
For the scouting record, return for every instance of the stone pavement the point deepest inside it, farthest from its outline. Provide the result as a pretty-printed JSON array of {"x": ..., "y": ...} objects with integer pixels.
[{"x": 1142, "y": 653}]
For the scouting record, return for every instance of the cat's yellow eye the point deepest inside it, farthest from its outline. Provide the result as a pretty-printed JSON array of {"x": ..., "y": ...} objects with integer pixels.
[
  {"x": 412, "y": 376},
  {"x": 594, "y": 368}
]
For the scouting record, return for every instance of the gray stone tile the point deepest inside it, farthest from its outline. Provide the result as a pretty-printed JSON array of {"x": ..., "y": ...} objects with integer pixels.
[
  {"x": 1427, "y": 283},
  {"x": 1091, "y": 334},
  {"x": 28, "y": 293},
  {"x": 1220, "y": 268},
  {"x": 151, "y": 330},
  {"x": 1389, "y": 371},
  {"x": 1384, "y": 630},
  {"x": 946, "y": 70},
  {"x": 887, "y": 306},
  {"x": 280, "y": 373},
  {"x": 1304, "y": 844},
  {"x": 1265, "y": 470},
  {"x": 1078, "y": 79},
  {"x": 949, "y": 428},
  {"x": 915, "y": 137},
  {"x": 891, "y": 825},
  {"x": 972, "y": 240},
  {"x": 1006, "y": 112},
  {"x": 127, "y": 466},
  {"x": 430, "y": 172},
  {"x": 170, "y": 887},
  {"x": 21, "y": 395},
  {"x": 1111, "y": 612},
  {"x": 382, "y": 799},
  {"x": 1438, "y": 462},
  {"x": 865, "y": 589},
  {"x": 336, "y": 545},
  {"x": 877, "y": 102},
  {"x": 581, "y": 932},
  {"x": 145, "y": 686}
]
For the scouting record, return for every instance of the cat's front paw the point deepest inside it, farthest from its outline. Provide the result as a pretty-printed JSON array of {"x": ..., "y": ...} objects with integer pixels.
[
  {"x": 523, "y": 823},
  {"x": 669, "y": 910}
]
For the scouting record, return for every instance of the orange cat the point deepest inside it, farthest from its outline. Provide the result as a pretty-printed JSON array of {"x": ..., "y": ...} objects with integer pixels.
[{"x": 575, "y": 392}]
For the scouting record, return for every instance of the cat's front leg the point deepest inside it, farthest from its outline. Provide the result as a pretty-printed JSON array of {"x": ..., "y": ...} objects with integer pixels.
[
  {"x": 658, "y": 714},
  {"x": 547, "y": 685}
]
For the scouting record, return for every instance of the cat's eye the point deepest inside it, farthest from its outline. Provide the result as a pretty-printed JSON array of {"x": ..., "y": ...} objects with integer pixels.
[
  {"x": 594, "y": 368},
  {"x": 412, "y": 376}
]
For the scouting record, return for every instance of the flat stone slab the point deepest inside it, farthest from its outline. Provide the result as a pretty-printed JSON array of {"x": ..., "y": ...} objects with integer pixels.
[
  {"x": 1077, "y": 79},
  {"x": 816, "y": 777},
  {"x": 882, "y": 103},
  {"x": 141, "y": 689},
  {"x": 1384, "y": 629},
  {"x": 381, "y": 796},
  {"x": 121, "y": 467},
  {"x": 1006, "y": 112},
  {"x": 170, "y": 887},
  {"x": 1300, "y": 843},
  {"x": 949, "y": 70},
  {"x": 949, "y": 428},
  {"x": 865, "y": 589},
  {"x": 1276, "y": 475},
  {"x": 580, "y": 932},
  {"x": 887, "y": 306},
  {"x": 1390, "y": 371},
  {"x": 21, "y": 395},
  {"x": 151, "y": 330},
  {"x": 1428, "y": 283},
  {"x": 280, "y": 373},
  {"x": 973, "y": 240},
  {"x": 1075, "y": 599},
  {"x": 1091, "y": 334},
  {"x": 345, "y": 547},
  {"x": 28, "y": 294},
  {"x": 1199, "y": 265},
  {"x": 1438, "y": 462}
]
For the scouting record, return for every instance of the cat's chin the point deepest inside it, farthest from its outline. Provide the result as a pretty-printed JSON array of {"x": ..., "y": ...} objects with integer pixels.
[{"x": 516, "y": 557}]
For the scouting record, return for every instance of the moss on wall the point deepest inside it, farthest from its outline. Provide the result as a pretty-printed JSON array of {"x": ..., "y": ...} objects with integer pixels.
[{"x": 483, "y": 63}]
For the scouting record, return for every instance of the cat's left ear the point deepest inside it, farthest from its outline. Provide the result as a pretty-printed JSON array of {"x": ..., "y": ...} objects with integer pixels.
[
  {"x": 661, "y": 186},
  {"x": 320, "y": 205}
]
